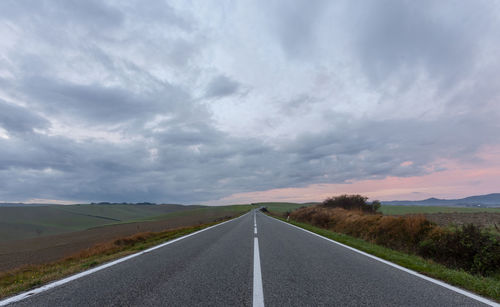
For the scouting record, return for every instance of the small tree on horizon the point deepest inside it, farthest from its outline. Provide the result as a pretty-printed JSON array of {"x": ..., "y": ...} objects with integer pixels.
[
  {"x": 376, "y": 205},
  {"x": 352, "y": 202}
]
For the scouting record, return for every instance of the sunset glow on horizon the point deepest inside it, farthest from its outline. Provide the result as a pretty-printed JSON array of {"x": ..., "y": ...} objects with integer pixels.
[{"x": 456, "y": 181}]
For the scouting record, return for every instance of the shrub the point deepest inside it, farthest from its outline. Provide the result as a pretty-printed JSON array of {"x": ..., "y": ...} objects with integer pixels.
[
  {"x": 402, "y": 233},
  {"x": 352, "y": 202},
  {"x": 468, "y": 248}
]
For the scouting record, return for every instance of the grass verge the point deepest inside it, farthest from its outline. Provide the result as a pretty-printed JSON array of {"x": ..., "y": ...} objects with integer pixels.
[
  {"x": 32, "y": 276},
  {"x": 485, "y": 286}
]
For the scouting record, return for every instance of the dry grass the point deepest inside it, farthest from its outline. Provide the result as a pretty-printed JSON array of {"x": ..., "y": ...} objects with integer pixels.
[
  {"x": 396, "y": 232},
  {"x": 469, "y": 248}
]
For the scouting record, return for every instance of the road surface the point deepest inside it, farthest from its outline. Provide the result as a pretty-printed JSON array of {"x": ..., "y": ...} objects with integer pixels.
[{"x": 253, "y": 260}]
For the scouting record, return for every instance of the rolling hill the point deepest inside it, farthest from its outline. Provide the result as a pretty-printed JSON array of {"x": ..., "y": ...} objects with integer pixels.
[{"x": 488, "y": 200}]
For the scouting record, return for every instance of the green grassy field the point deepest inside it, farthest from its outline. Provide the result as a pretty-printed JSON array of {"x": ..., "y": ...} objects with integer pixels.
[
  {"x": 399, "y": 210},
  {"x": 30, "y": 222}
]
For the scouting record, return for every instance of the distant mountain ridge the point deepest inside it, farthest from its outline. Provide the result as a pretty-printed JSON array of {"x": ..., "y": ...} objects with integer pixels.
[{"x": 488, "y": 200}]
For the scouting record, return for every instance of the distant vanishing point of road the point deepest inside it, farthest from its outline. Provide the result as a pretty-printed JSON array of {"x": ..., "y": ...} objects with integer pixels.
[{"x": 252, "y": 260}]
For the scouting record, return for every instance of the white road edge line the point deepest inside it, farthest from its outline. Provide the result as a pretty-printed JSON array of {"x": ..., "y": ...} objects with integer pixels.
[
  {"x": 258, "y": 293},
  {"x": 438, "y": 282},
  {"x": 44, "y": 288}
]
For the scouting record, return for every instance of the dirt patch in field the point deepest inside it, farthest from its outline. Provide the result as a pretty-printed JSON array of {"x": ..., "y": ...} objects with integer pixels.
[
  {"x": 479, "y": 218},
  {"x": 50, "y": 248}
]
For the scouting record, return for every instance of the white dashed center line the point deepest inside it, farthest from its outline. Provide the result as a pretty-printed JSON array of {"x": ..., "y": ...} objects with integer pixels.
[{"x": 258, "y": 293}]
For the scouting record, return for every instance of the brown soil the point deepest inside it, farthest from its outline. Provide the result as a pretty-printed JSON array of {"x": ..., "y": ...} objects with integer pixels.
[
  {"x": 478, "y": 218},
  {"x": 41, "y": 250}
]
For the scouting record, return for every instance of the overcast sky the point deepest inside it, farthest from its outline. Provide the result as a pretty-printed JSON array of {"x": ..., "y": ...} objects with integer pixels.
[{"x": 227, "y": 101}]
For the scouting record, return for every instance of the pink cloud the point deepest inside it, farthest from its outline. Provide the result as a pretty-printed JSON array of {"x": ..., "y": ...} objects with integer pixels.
[{"x": 480, "y": 176}]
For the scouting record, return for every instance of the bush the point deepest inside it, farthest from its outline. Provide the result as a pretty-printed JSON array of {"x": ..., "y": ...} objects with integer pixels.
[
  {"x": 402, "y": 233},
  {"x": 352, "y": 202},
  {"x": 469, "y": 248}
]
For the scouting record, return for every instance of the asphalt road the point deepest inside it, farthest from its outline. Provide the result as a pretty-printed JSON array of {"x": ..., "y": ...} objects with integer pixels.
[{"x": 222, "y": 267}]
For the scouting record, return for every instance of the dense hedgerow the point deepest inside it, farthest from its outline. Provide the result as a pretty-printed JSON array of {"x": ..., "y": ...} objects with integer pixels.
[{"x": 468, "y": 248}]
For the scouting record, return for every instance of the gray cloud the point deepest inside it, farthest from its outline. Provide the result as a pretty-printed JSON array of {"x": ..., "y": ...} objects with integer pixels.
[
  {"x": 16, "y": 119},
  {"x": 297, "y": 104},
  {"x": 99, "y": 104},
  {"x": 116, "y": 102},
  {"x": 218, "y": 164},
  {"x": 297, "y": 24},
  {"x": 221, "y": 86},
  {"x": 402, "y": 37}
]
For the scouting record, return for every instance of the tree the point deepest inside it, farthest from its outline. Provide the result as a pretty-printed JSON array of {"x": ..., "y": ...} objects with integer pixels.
[
  {"x": 376, "y": 205},
  {"x": 352, "y": 202}
]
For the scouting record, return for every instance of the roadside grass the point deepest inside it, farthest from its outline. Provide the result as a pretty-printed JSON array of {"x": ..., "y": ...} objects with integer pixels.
[
  {"x": 32, "y": 276},
  {"x": 486, "y": 286},
  {"x": 401, "y": 210}
]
